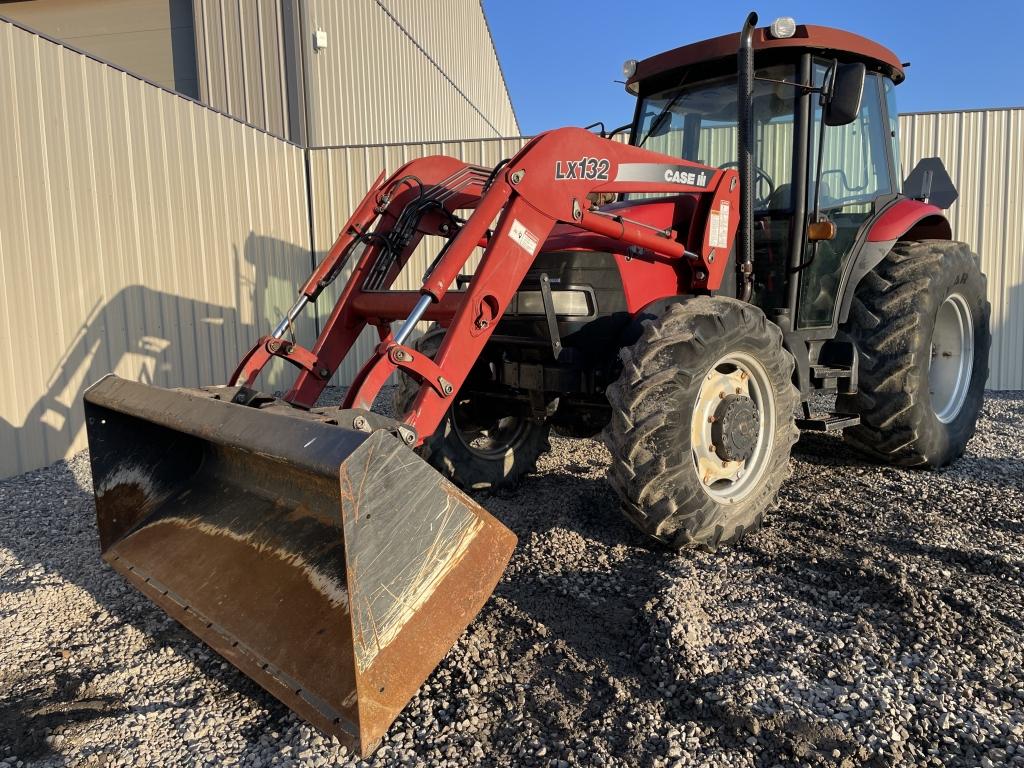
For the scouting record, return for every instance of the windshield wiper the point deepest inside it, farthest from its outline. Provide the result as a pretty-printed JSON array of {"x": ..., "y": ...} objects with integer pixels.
[{"x": 656, "y": 123}]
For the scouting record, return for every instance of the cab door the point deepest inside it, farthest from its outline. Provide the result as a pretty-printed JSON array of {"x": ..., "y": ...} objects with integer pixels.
[{"x": 856, "y": 179}]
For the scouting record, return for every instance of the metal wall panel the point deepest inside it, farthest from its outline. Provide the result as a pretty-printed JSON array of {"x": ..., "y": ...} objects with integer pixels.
[
  {"x": 397, "y": 70},
  {"x": 393, "y": 70},
  {"x": 984, "y": 153},
  {"x": 241, "y": 62},
  {"x": 140, "y": 233}
]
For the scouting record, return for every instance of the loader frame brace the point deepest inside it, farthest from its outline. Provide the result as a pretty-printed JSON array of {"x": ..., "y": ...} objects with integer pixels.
[{"x": 546, "y": 183}]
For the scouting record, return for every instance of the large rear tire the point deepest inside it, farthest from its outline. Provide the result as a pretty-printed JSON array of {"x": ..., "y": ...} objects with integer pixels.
[
  {"x": 920, "y": 321},
  {"x": 478, "y": 445},
  {"x": 702, "y": 422}
]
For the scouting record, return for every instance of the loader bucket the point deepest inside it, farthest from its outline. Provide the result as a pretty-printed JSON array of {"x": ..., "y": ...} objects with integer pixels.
[{"x": 334, "y": 567}]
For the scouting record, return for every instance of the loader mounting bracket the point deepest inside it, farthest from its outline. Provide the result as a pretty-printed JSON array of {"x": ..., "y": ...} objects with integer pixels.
[{"x": 419, "y": 365}]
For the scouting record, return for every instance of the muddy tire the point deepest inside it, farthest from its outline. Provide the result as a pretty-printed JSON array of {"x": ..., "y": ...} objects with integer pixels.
[
  {"x": 708, "y": 381},
  {"x": 920, "y": 320},
  {"x": 478, "y": 445}
]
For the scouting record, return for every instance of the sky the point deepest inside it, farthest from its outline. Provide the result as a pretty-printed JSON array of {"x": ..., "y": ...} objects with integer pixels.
[{"x": 561, "y": 57}]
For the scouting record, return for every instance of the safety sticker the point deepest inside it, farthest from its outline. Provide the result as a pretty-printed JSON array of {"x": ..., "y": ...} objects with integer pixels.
[
  {"x": 523, "y": 237},
  {"x": 718, "y": 234}
]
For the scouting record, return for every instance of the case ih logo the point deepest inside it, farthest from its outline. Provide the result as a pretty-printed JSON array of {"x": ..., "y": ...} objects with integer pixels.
[
  {"x": 686, "y": 177},
  {"x": 589, "y": 168},
  {"x": 661, "y": 173}
]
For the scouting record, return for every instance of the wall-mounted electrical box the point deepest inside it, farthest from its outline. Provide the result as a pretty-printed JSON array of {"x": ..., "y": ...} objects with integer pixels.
[{"x": 319, "y": 39}]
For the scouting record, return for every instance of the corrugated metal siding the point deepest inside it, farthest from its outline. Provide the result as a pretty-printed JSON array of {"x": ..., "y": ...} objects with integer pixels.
[
  {"x": 398, "y": 70},
  {"x": 984, "y": 154},
  {"x": 339, "y": 179},
  {"x": 240, "y": 60},
  {"x": 393, "y": 70},
  {"x": 140, "y": 233}
]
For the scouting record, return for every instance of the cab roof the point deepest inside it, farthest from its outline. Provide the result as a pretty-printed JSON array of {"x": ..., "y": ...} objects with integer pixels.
[{"x": 823, "y": 40}]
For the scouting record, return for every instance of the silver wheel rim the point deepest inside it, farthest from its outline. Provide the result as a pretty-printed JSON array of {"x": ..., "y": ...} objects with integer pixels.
[
  {"x": 731, "y": 481},
  {"x": 952, "y": 358}
]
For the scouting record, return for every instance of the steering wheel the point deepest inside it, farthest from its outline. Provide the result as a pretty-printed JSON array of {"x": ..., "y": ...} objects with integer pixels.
[{"x": 761, "y": 178}]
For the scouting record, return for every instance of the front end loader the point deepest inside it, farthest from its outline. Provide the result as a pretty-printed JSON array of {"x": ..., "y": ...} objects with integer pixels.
[
  {"x": 312, "y": 547},
  {"x": 683, "y": 295}
]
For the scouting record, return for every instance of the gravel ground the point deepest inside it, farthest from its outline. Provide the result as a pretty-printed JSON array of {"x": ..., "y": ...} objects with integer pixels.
[{"x": 876, "y": 620}]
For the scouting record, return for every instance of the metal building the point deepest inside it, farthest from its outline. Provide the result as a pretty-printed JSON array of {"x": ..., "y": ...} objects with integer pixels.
[
  {"x": 156, "y": 217},
  {"x": 316, "y": 72}
]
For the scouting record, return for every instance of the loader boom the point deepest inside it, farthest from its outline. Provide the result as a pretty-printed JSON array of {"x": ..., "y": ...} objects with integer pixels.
[{"x": 548, "y": 182}]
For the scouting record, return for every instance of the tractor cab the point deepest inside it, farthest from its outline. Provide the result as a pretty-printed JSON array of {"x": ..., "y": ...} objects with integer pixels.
[{"x": 825, "y": 154}]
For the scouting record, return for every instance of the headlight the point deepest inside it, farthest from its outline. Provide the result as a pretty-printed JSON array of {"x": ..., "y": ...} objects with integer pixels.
[
  {"x": 628, "y": 68},
  {"x": 783, "y": 27}
]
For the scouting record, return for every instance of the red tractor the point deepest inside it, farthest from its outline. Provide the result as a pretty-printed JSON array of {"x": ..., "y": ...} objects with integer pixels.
[{"x": 684, "y": 295}]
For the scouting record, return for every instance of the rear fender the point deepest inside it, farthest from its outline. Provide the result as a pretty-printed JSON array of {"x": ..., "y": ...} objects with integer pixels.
[{"x": 904, "y": 219}]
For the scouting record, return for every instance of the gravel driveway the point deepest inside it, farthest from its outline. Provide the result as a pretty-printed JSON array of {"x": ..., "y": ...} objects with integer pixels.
[{"x": 876, "y": 620}]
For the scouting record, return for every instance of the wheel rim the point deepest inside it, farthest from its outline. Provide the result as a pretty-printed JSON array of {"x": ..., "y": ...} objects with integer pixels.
[
  {"x": 952, "y": 358},
  {"x": 490, "y": 438},
  {"x": 724, "y": 480}
]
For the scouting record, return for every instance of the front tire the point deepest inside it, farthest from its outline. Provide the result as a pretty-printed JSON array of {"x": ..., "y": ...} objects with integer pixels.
[
  {"x": 920, "y": 321},
  {"x": 478, "y": 445},
  {"x": 702, "y": 422}
]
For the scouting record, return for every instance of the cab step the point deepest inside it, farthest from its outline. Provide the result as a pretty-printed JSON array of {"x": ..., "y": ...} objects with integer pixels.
[
  {"x": 834, "y": 377},
  {"x": 828, "y": 422}
]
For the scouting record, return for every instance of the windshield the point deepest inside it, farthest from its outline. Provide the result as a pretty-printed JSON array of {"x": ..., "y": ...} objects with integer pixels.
[{"x": 697, "y": 121}]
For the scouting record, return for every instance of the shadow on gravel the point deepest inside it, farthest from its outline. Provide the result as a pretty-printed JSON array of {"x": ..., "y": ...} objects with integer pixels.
[
  {"x": 599, "y": 655},
  {"x": 59, "y": 537},
  {"x": 44, "y": 715},
  {"x": 829, "y": 450}
]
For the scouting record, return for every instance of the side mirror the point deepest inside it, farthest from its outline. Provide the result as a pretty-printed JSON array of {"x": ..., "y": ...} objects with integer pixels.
[
  {"x": 662, "y": 124},
  {"x": 843, "y": 97}
]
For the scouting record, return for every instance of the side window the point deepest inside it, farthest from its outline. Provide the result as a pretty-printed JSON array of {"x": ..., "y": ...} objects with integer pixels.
[
  {"x": 855, "y": 169},
  {"x": 855, "y": 173}
]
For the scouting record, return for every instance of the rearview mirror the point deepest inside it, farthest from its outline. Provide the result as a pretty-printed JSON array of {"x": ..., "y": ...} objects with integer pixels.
[{"x": 842, "y": 100}]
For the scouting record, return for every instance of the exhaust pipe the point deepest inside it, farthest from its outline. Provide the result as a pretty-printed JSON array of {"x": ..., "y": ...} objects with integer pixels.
[{"x": 745, "y": 154}]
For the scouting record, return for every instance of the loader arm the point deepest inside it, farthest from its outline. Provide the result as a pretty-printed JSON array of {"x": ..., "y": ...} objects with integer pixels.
[{"x": 513, "y": 211}]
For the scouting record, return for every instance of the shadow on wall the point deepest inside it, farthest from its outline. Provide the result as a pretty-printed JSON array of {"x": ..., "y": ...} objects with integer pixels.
[{"x": 156, "y": 337}]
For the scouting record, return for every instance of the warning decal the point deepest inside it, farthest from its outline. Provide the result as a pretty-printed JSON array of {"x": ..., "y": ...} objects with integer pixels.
[
  {"x": 718, "y": 227},
  {"x": 523, "y": 237}
]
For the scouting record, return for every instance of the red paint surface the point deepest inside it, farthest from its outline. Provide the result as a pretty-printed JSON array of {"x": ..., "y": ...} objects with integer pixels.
[{"x": 899, "y": 217}]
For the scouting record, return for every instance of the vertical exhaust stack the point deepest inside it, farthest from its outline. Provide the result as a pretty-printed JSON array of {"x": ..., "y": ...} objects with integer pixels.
[{"x": 745, "y": 154}]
